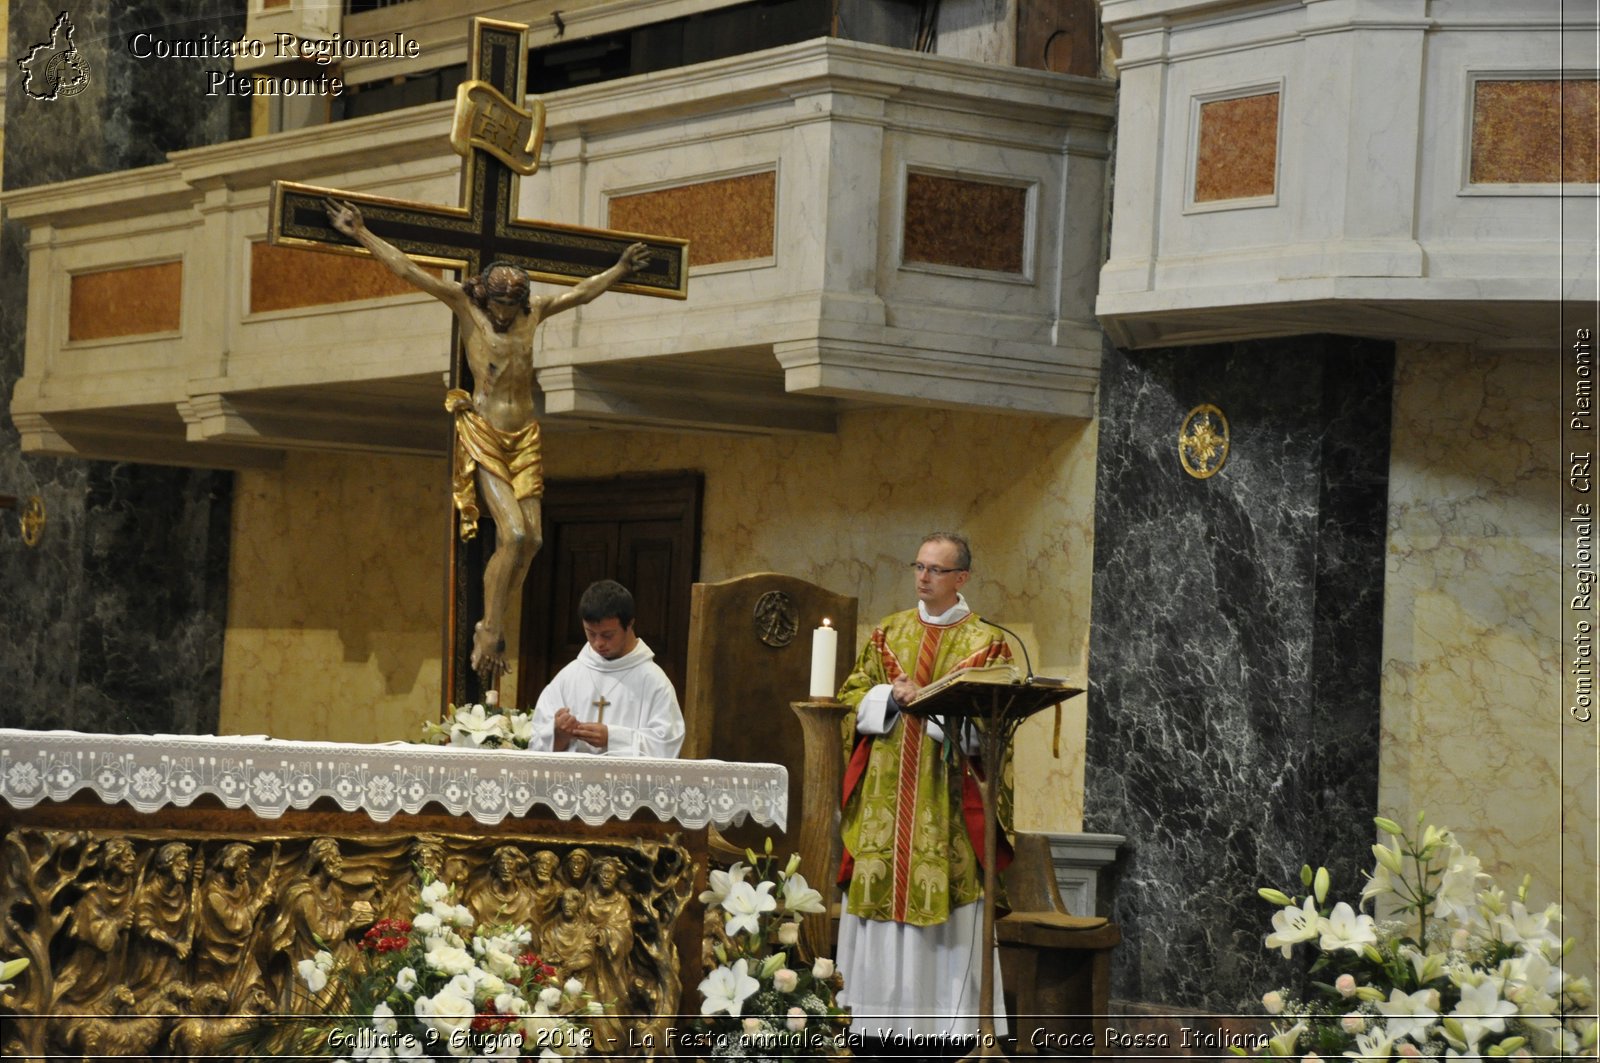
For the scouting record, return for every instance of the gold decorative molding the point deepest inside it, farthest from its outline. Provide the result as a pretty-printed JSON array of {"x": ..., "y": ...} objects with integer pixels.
[{"x": 1203, "y": 441}]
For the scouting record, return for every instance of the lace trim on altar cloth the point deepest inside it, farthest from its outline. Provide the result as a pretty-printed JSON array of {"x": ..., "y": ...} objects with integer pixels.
[{"x": 149, "y": 772}]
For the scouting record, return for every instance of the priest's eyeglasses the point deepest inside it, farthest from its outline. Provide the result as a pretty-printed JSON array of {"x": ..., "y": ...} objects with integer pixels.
[{"x": 933, "y": 570}]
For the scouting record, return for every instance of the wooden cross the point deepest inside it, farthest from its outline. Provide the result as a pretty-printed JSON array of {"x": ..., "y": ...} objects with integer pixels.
[
  {"x": 600, "y": 704},
  {"x": 499, "y": 141}
]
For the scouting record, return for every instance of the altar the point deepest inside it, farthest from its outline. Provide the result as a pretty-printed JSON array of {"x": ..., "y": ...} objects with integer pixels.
[{"x": 165, "y": 875}]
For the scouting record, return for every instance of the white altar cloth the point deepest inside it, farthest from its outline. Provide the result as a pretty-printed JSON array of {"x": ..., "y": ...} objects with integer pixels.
[{"x": 268, "y": 776}]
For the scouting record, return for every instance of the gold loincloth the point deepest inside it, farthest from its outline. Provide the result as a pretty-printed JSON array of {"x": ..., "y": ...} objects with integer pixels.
[{"x": 511, "y": 457}]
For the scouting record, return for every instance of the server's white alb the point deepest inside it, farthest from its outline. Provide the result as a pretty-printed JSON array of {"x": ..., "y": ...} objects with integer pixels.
[{"x": 640, "y": 712}]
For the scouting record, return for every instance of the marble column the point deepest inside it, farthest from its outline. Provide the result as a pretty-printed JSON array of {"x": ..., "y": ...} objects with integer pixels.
[
  {"x": 114, "y": 621},
  {"x": 1235, "y": 650}
]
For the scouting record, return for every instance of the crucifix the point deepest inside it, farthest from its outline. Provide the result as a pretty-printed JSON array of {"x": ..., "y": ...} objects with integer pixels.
[
  {"x": 484, "y": 240},
  {"x": 600, "y": 704}
]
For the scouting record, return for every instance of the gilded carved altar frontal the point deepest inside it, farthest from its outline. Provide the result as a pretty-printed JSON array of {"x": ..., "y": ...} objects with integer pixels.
[{"x": 157, "y": 943}]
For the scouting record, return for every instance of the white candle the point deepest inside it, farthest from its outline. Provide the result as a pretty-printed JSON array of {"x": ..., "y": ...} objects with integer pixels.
[{"x": 824, "y": 654}]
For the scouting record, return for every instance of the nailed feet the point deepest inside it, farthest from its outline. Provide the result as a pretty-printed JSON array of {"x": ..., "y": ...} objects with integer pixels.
[{"x": 488, "y": 654}]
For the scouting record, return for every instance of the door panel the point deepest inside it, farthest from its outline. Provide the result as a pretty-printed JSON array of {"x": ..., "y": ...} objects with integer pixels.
[{"x": 643, "y": 532}]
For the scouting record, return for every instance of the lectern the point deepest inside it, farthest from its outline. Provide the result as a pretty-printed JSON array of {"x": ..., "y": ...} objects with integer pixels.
[{"x": 997, "y": 708}]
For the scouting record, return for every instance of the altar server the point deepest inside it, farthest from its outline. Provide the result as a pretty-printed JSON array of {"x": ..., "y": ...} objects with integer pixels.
[{"x": 614, "y": 698}]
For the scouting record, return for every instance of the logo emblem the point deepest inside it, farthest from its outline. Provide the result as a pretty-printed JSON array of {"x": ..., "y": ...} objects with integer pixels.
[
  {"x": 1203, "y": 441},
  {"x": 54, "y": 69}
]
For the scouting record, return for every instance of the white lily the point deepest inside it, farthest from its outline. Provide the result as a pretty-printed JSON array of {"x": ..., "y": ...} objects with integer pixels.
[
  {"x": 1345, "y": 928},
  {"x": 1458, "y": 886},
  {"x": 1480, "y": 1011},
  {"x": 727, "y": 988},
  {"x": 721, "y": 882},
  {"x": 476, "y": 726},
  {"x": 1291, "y": 925},
  {"x": 800, "y": 897},
  {"x": 1409, "y": 1014},
  {"x": 1371, "y": 1046},
  {"x": 745, "y": 905}
]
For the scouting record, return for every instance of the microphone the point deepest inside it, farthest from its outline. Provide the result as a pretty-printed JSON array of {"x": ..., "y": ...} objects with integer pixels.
[{"x": 1022, "y": 645}]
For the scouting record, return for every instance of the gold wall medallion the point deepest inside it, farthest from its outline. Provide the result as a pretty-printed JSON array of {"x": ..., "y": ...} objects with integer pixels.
[
  {"x": 1203, "y": 441},
  {"x": 32, "y": 520}
]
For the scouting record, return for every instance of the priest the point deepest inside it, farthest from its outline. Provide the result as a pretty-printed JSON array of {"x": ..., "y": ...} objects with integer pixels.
[
  {"x": 614, "y": 698},
  {"x": 912, "y": 824}
]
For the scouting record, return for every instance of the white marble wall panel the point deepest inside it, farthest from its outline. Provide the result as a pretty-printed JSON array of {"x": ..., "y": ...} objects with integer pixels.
[
  {"x": 1373, "y": 229},
  {"x": 131, "y": 368},
  {"x": 832, "y": 307},
  {"x": 377, "y": 338},
  {"x": 1504, "y": 231}
]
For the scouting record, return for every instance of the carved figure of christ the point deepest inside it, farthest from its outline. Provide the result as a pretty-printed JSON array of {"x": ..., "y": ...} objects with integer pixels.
[{"x": 492, "y": 359}]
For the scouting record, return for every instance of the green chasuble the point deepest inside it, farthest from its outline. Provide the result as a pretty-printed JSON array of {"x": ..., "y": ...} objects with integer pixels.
[{"x": 908, "y": 853}]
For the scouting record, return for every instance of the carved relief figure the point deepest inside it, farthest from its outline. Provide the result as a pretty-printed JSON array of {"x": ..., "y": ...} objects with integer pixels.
[
  {"x": 546, "y": 890},
  {"x": 317, "y": 910},
  {"x": 98, "y": 926},
  {"x": 503, "y": 893},
  {"x": 576, "y": 867},
  {"x": 230, "y": 905},
  {"x": 163, "y": 917},
  {"x": 611, "y": 916},
  {"x": 569, "y": 942},
  {"x": 427, "y": 860}
]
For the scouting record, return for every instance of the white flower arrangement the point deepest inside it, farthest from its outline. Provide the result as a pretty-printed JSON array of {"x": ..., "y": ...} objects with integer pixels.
[
  {"x": 437, "y": 987},
  {"x": 762, "y": 1001},
  {"x": 481, "y": 726},
  {"x": 1459, "y": 971}
]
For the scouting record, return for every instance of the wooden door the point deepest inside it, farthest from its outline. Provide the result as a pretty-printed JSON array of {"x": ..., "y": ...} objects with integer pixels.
[{"x": 643, "y": 532}]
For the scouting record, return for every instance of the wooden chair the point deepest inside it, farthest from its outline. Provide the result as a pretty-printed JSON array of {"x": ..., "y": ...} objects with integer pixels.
[{"x": 1056, "y": 966}]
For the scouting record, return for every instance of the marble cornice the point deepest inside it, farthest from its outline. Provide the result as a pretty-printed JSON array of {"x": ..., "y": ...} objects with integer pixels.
[
  {"x": 88, "y": 199},
  {"x": 830, "y": 64},
  {"x": 414, "y": 133}
]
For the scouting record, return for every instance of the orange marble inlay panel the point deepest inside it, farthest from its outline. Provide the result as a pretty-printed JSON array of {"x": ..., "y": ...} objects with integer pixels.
[
  {"x": 971, "y": 224},
  {"x": 134, "y": 301},
  {"x": 1535, "y": 131},
  {"x": 1238, "y": 153},
  {"x": 730, "y": 219},
  {"x": 284, "y": 278}
]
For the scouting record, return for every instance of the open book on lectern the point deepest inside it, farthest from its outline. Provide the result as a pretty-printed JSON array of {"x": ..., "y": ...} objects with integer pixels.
[{"x": 979, "y": 678}]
